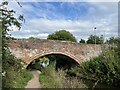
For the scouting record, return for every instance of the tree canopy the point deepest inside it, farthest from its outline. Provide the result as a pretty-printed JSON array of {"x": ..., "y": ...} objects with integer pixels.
[
  {"x": 62, "y": 35},
  {"x": 95, "y": 39},
  {"x": 112, "y": 40},
  {"x": 82, "y": 41},
  {"x": 33, "y": 38}
]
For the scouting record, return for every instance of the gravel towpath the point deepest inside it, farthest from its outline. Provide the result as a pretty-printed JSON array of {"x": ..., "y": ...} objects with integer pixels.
[{"x": 34, "y": 82}]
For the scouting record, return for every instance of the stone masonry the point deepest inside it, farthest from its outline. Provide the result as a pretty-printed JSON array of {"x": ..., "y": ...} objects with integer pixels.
[{"x": 29, "y": 50}]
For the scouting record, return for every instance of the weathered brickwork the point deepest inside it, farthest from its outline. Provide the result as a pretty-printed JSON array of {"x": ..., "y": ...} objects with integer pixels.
[{"x": 29, "y": 50}]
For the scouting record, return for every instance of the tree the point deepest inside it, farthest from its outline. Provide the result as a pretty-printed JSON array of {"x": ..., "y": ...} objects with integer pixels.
[
  {"x": 82, "y": 41},
  {"x": 62, "y": 35},
  {"x": 118, "y": 50},
  {"x": 112, "y": 40},
  {"x": 7, "y": 20},
  {"x": 95, "y": 39},
  {"x": 33, "y": 38}
]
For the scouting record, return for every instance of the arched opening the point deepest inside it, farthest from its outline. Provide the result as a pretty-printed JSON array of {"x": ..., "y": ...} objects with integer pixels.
[
  {"x": 58, "y": 71},
  {"x": 61, "y": 61}
]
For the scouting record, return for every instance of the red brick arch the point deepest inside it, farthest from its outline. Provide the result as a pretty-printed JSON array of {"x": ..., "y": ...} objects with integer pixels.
[
  {"x": 29, "y": 50},
  {"x": 48, "y": 53}
]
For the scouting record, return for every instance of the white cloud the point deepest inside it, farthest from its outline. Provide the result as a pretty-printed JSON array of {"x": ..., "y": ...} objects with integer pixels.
[
  {"x": 102, "y": 15},
  {"x": 81, "y": 29}
]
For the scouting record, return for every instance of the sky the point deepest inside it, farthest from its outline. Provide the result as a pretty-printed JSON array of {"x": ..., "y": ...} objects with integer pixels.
[{"x": 79, "y": 18}]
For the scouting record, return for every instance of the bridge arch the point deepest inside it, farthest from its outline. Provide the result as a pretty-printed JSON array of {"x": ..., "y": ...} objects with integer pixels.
[
  {"x": 50, "y": 53},
  {"x": 29, "y": 50}
]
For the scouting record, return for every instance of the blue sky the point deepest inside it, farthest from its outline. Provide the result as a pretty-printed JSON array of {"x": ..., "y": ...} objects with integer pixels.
[
  {"x": 44, "y": 18},
  {"x": 54, "y": 10}
]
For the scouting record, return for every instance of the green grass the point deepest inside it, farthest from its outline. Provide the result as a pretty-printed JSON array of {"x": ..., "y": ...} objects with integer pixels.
[
  {"x": 49, "y": 78},
  {"x": 16, "y": 79},
  {"x": 22, "y": 79}
]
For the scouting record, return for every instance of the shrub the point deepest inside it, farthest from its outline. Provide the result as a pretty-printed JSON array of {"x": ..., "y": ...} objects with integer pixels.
[{"x": 103, "y": 69}]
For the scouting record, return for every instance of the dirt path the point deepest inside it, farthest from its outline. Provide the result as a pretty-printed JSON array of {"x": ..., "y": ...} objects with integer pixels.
[{"x": 34, "y": 82}]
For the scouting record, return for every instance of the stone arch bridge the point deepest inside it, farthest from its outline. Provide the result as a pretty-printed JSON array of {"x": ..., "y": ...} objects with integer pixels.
[{"x": 29, "y": 50}]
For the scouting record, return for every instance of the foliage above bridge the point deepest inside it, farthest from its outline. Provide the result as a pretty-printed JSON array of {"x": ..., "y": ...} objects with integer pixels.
[{"x": 62, "y": 35}]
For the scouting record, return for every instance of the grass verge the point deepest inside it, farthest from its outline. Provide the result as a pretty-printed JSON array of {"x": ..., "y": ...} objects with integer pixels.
[
  {"x": 49, "y": 78},
  {"x": 16, "y": 79}
]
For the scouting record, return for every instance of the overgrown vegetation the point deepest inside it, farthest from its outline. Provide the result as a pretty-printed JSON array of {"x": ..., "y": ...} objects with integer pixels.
[
  {"x": 12, "y": 74},
  {"x": 104, "y": 69},
  {"x": 15, "y": 79},
  {"x": 50, "y": 78}
]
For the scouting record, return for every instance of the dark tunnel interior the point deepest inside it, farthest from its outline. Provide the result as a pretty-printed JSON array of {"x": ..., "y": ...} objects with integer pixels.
[{"x": 61, "y": 61}]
